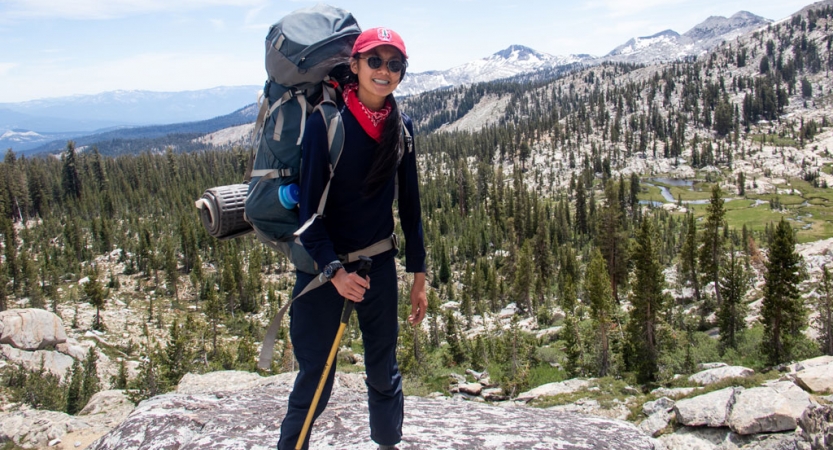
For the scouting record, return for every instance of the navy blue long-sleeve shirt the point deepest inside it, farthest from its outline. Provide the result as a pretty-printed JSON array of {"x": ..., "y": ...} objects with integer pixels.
[{"x": 351, "y": 220}]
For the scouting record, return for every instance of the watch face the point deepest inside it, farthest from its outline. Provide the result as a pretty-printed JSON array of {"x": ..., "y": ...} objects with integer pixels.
[{"x": 330, "y": 269}]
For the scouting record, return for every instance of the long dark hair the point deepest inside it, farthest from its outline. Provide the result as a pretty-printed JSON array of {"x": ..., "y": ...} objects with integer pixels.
[{"x": 386, "y": 155}]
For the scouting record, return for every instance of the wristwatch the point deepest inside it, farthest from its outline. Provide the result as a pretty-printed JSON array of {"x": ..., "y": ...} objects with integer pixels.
[{"x": 330, "y": 269}]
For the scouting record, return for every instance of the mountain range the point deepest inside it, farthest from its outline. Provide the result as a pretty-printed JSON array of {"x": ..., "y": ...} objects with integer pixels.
[{"x": 45, "y": 125}]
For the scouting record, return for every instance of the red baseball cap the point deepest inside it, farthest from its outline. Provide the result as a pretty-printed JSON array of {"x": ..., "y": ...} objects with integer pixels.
[{"x": 374, "y": 37}]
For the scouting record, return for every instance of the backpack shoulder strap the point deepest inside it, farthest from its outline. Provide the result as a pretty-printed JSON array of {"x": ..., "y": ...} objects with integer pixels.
[{"x": 335, "y": 140}]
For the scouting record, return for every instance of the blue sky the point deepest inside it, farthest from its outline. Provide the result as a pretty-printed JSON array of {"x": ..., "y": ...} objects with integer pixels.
[{"x": 53, "y": 48}]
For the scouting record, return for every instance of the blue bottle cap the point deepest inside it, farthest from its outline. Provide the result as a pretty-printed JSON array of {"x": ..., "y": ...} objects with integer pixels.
[{"x": 289, "y": 195}]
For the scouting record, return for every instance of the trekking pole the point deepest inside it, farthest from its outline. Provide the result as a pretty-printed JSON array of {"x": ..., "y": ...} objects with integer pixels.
[{"x": 364, "y": 268}]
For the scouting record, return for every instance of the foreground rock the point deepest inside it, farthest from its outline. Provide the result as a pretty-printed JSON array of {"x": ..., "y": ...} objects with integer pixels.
[{"x": 213, "y": 417}]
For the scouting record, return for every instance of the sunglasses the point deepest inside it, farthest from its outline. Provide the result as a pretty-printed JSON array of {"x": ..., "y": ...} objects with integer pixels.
[{"x": 394, "y": 65}]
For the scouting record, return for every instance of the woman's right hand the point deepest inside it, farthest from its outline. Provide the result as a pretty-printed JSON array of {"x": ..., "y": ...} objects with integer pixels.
[{"x": 350, "y": 285}]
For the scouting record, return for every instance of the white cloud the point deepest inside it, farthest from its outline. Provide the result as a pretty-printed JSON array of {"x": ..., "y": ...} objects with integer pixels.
[
  {"x": 110, "y": 9},
  {"x": 6, "y": 67}
]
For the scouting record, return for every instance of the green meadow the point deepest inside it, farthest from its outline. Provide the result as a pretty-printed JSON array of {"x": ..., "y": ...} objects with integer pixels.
[{"x": 808, "y": 209}]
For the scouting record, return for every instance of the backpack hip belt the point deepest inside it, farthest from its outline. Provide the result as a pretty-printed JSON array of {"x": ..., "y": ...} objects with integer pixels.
[{"x": 268, "y": 349}]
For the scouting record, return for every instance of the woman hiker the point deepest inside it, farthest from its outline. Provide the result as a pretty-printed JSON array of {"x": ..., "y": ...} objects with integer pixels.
[{"x": 359, "y": 213}]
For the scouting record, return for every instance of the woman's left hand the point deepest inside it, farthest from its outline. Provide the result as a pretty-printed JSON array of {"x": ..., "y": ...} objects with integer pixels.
[{"x": 419, "y": 302}]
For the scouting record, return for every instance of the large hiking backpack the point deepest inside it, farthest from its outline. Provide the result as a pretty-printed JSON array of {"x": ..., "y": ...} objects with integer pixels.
[{"x": 302, "y": 49}]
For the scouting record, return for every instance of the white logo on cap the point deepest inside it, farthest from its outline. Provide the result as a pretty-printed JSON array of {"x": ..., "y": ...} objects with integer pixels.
[{"x": 384, "y": 34}]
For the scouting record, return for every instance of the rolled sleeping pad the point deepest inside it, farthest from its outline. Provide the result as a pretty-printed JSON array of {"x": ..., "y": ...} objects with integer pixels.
[{"x": 221, "y": 211}]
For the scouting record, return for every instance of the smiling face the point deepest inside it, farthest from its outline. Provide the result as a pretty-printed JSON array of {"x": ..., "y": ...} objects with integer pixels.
[{"x": 376, "y": 84}]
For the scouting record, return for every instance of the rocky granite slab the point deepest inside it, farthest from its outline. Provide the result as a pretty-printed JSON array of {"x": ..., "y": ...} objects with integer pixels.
[{"x": 250, "y": 419}]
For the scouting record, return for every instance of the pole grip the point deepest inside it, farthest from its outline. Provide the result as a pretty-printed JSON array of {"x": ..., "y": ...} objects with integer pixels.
[{"x": 363, "y": 270}]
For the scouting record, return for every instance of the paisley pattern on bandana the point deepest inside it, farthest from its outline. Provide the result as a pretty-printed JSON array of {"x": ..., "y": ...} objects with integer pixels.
[{"x": 372, "y": 122}]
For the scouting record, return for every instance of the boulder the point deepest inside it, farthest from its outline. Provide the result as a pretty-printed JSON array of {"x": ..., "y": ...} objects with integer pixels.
[
  {"x": 31, "y": 329},
  {"x": 711, "y": 410},
  {"x": 250, "y": 418},
  {"x": 470, "y": 388},
  {"x": 53, "y": 361},
  {"x": 816, "y": 378},
  {"x": 714, "y": 375},
  {"x": 552, "y": 389},
  {"x": 768, "y": 409},
  {"x": 660, "y": 404},
  {"x": 655, "y": 423}
]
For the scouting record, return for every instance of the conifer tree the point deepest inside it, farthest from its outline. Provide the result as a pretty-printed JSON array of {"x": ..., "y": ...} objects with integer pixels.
[
  {"x": 782, "y": 312},
  {"x": 612, "y": 239},
  {"x": 824, "y": 305},
  {"x": 711, "y": 252},
  {"x": 3, "y": 282},
  {"x": 177, "y": 356},
  {"x": 647, "y": 301},
  {"x": 11, "y": 263},
  {"x": 524, "y": 275},
  {"x": 600, "y": 297},
  {"x": 149, "y": 381},
  {"x": 70, "y": 181},
  {"x": 581, "y": 209},
  {"x": 688, "y": 256},
  {"x": 246, "y": 354},
  {"x": 120, "y": 380},
  {"x": 73, "y": 395},
  {"x": 456, "y": 347},
  {"x": 570, "y": 332},
  {"x": 90, "y": 383},
  {"x": 734, "y": 283},
  {"x": 96, "y": 296},
  {"x": 213, "y": 309},
  {"x": 171, "y": 270}
]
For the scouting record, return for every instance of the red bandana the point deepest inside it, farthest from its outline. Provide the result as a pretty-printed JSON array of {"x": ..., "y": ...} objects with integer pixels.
[{"x": 371, "y": 121}]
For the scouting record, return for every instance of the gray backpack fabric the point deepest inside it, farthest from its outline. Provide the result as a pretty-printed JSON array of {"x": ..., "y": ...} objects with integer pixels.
[{"x": 302, "y": 49}]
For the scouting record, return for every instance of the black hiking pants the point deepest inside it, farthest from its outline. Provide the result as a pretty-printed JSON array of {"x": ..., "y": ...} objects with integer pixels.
[{"x": 314, "y": 322}]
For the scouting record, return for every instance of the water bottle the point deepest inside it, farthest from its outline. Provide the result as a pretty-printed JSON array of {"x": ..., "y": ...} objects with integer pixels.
[{"x": 289, "y": 195}]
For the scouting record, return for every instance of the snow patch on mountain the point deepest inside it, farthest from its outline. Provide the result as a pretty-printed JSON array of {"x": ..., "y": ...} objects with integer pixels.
[
  {"x": 19, "y": 136},
  {"x": 669, "y": 45},
  {"x": 512, "y": 61}
]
